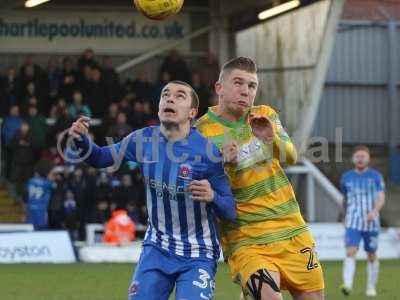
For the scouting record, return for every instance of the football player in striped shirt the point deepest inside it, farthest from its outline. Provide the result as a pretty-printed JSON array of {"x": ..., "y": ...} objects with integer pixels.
[
  {"x": 364, "y": 192},
  {"x": 269, "y": 247},
  {"x": 187, "y": 190}
]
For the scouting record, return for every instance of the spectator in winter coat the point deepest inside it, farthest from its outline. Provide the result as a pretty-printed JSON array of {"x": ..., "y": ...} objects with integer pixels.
[{"x": 119, "y": 230}]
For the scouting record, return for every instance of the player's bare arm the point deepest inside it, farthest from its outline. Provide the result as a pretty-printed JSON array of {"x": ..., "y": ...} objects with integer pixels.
[{"x": 380, "y": 202}]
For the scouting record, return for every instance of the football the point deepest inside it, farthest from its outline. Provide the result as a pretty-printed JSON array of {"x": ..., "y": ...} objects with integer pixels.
[{"x": 158, "y": 9}]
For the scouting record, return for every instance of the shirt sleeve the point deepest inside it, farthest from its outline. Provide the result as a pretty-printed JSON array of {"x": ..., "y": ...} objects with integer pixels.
[
  {"x": 51, "y": 185},
  {"x": 283, "y": 147},
  {"x": 343, "y": 185},
  {"x": 224, "y": 202},
  {"x": 106, "y": 156},
  {"x": 380, "y": 183}
]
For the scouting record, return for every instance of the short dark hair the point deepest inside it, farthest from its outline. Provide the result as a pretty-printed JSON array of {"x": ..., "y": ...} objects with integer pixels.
[
  {"x": 193, "y": 94},
  {"x": 43, "y": 167},
  {"x": 361, "y": 148},
  {"x": 240, "y": 63}
]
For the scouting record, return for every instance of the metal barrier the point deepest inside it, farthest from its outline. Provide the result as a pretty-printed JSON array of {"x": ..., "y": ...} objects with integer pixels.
[
  {"x": 323, "y": 201},
  {"x": 16, "y": 228}
]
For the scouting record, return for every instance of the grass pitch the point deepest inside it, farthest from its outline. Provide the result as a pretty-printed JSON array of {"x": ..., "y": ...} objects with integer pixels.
[{"x": 110, "y": 281}]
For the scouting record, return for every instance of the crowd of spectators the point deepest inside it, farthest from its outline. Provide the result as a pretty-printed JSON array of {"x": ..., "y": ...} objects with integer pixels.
[{"x": 31, "y": 95}]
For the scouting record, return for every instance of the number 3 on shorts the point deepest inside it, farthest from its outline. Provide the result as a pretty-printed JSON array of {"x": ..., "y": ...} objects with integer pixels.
[
  {"x": 204, "y": 282},
  {"x": 204, "y": 277}
]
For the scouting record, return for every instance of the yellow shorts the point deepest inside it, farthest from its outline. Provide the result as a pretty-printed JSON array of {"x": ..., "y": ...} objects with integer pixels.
[{"x": 295, "y": 259}]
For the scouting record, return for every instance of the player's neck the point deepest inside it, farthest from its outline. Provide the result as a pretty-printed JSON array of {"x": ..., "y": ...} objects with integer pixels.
[
  {"x": 227, "y": 115},
  {"x": 361, "y": 170},
  {"x": 175, "y": 132}
]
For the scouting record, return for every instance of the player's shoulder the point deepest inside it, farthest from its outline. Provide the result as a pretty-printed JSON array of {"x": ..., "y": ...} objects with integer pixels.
[
  {"x": 199, "y": 138},
  {"x": 144, "y": 132},
  {"x": 348, "y": 175},
  {"x": 204, "y": 144},
  {"x": 30, "y": 181},
  {"x": 375, "y": 173},
  {"x": 263, "y": 110},
  {"x": 208, "y": 124},
  {"x": 203, "y": 121},
  {"x": 38, "y": 181}
]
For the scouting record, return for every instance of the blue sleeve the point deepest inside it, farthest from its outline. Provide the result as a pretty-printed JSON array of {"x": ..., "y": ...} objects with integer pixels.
[
  {"x": 380, "y": 183},
  {"x": 50, "y": 185},
  {"x": 224, "y": 202},
  {"x": 102, "y": 157},
  {"x": 343, "y": 185}
]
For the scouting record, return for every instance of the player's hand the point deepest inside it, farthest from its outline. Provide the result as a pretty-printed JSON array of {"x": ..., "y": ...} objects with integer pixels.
[
  {"x": 80, "y": 127},
  {"x": 262, "y": 128},
  {"x": 372, "y": 215},
  {"x": 201, "y": 190},
  {"x": 230, "y": 153}
]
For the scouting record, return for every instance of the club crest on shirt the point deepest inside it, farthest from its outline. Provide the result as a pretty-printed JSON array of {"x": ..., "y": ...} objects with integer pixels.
[{"x": 185, "y": 171}]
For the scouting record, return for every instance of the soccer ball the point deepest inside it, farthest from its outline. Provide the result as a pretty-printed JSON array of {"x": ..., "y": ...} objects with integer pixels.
[{"x": 158, "y": 9}]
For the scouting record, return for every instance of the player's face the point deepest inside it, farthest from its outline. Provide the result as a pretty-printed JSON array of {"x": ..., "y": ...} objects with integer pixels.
[
  {"x": 361, "y": 159},
  {"x": 175, "y": 104},
  {"x": 237, "y": 91}
]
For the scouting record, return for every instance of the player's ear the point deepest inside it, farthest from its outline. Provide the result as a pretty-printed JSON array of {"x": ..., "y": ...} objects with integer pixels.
[
  {"x": 218, "y": 88},
  {"x": 193, "y": 113}
]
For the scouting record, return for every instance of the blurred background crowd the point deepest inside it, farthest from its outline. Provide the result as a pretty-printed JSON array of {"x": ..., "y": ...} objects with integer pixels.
[{"x": 38, "y": 103}]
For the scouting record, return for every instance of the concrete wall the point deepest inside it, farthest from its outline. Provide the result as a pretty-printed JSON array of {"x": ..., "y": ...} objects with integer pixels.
[{"x": 286, "y": 50}]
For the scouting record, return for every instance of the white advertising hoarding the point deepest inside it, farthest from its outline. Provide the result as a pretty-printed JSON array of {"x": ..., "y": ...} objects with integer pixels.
[
  {"x": 329, "y": 238},
  {"x": 36, "y": 247},
  {"x": 104, "y": 253},
  {"x": 72, "y": 31}
]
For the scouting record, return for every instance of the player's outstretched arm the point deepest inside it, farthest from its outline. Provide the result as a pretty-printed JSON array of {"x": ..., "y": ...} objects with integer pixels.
[{"x": 98, "y": 157}]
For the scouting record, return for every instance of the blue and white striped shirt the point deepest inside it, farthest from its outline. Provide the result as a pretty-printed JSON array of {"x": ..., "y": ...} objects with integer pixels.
[
  {"x": 361, "y": 190},
  {"x": 177, "y": 223}
]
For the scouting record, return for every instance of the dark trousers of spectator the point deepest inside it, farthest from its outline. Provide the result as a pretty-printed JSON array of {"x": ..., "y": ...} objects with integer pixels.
[
  {"x": 6, "y": 161},
  {"x": 20, "y": 174},
  {"x": 55, "y": 219}
]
